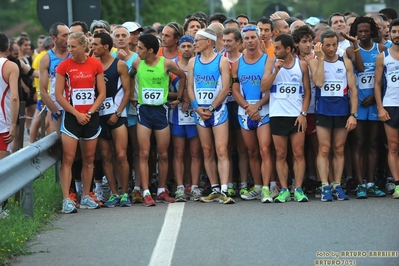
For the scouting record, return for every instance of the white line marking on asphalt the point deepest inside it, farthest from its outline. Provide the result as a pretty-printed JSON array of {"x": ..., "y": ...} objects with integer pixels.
[{"x": 165, "y": 246}]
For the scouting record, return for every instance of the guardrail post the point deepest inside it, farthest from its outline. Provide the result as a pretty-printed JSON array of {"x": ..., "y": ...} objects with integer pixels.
[
  {"x": 57, "y": 171},
  {"x": 27, "y": 200}
]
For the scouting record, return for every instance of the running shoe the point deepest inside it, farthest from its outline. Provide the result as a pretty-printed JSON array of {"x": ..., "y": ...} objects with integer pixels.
[
  {"x": 283, "y": 196},
  {"x": 299, "y": 196},
  {"x": 92, "y": 195},
  {"x": 125, "y": 201},
  {"x": 339, "y": 194},
  {"x": 148, "y": 201},
  {"x": 68, "y": 206},
  {"x": 265, "y": 196},
  {"x": 326, "y": 194},
  {"x": 180, "y": 195},
  {"x": 361, "y": 192},
  {"x": 317, "y": 193},
  {"x": 74, "y": 197},
  {"x": 99, "y": 194},
  {"x": 223, "y": 198},
  {"x": 373, "y": 191},
  {"x": 231, "y": 192},
  {"x": 112, "y": 201},
  {"x": 214, "y": 196},
  {"x": 195, "y": 194},
  {"x": 395, "y": 195},
  {"x": 274, "y": 191},
  {"x": 136, "y": 196},
  {"x": 244, "y": 191},
  {"x": 252, "y": 194},
  {"x": 390, "y": 187},
  {"x": 88, "y": 203},
  {"x": 164, "y": 197}
]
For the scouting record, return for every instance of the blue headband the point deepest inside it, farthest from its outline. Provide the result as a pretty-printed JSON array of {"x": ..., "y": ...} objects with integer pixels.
[{"x": 186, "y": 38}]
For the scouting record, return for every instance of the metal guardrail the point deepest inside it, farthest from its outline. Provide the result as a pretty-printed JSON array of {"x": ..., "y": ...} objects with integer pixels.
[{"x": 20, "y": 169}]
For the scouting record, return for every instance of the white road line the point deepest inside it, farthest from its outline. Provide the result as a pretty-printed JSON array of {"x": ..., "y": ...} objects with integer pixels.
[{"x": 165, "y": 246}]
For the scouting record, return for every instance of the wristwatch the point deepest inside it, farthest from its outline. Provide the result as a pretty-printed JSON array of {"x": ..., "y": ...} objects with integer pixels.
[
  {"x": 118, "y": 114},
  {"x": 354, "y": 115},
  {"x": 304, "y": 114},
  {"x": 58, "y": 113},
  {"x": 89, "y": 112},
  {"x": 211, "y": 108}
]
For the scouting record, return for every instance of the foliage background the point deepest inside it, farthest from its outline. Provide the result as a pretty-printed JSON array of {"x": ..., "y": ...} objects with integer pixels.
[{"x": 20, "y": 15}]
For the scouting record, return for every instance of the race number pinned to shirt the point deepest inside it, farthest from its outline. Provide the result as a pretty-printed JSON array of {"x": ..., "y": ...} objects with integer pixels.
[
  {"x": 288, "y": 90},
  {"x": 187, "y": 117},
  {"x": 332, "y": 88},
  {"x": 107, "y": 107},
  {"x": 83, "y": 99},
  {"x": 393, "y": 79},
  {"x": 205, "y": 96},
  {"x": 366, "y": 80},
  {"x": 153, "y": 96}
]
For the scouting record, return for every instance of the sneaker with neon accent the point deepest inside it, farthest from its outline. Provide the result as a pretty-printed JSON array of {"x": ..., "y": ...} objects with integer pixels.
[
  {"x": 223, "y": 198},
  {"x": 88, "y": 203},
  {"x": 244, "y": 191},
  {"x": 339, "y": 193},
  {"x": 299, "y": 196},
  {"x": 283, "y": 196},
  {"x": 195, "y": 194},
  {"x": 93, "y": 196},
  {"x": 373, "y": 191},
  {"x": 125, "y": 201},
  {"x": 164, "y": 197},
  {"x": 214, "y": 196},
  {"x": 68, "y": 206},
  {"x": 148, "y": 201},
  {"x": 361, "y": 192},
  {"x": 326, "y": 194},
  {"x": 253, "y": 193},
  {"x": 180, "y": 195},
  {"x": 265, "y": 196},
  {"x": 112, "y": 201},
  {"x": 390, "y": 187},
  {"x": 274, "y": 191},
  {"x": 231, "y": 192},
  {"x": 74, "y": 197},
  {"x": 395, "y": 194},
  {"x": 136, "y": 196}
]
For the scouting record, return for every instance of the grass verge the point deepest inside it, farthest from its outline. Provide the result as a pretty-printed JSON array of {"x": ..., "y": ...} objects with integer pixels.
[{"x": 16, "y": 229}]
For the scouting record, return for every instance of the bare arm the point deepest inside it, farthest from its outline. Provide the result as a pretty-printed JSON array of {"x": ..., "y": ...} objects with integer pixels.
[
  {"x": 379, "y": 69},
  {"x": 124, "y": 76},
  {"x": 225, "y": 72},
  {"x": 351, "y": 123},
  {"x": 26, "y": 69},
  {"x": 190, "y": 80},
  {"x": 43, "y": 83},
  {"x": 235, "y": 87},
  {"x": 317, "y": 66},
  {"x": 102, "y": 92},
  {"x": 12, "y": 75},
  {"x": 268, "y": 76},
  {"x": 306, "y": 87},
  {"x": 59, "y": 95},
  {"x": 132, "y": 75}
]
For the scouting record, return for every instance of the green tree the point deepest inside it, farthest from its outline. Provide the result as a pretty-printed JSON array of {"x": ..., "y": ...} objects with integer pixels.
[{"x": 117, "y": 11}]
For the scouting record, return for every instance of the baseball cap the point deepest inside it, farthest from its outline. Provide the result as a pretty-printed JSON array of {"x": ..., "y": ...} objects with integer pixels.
[
  {"x": 132, "y": 26},
  {"x": 312, "y": 21},
  {"x": 228, "y": 20}
]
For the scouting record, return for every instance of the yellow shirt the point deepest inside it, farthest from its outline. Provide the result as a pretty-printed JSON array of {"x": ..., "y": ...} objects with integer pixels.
[{"x": 35, "y": 66}]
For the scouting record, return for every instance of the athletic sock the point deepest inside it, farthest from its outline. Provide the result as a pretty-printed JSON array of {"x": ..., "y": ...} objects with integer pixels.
[{"x": 215, "y": 187}]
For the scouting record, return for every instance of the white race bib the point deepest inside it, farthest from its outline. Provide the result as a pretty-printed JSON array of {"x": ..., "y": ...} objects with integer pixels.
[
  {"x": 153, "y": 96},
  {"x": 393, "y": 79},
  {"x": 288, "y": 90},
  {"x": 366, "y": 80},
  {"x": 83, "y": 97},
  {"x": 205, "y": 96},
  {"x": 261, "y": 111},
  {"x": 332, "y": 88},
  {"x": 187, "y": 117},
  {"x": 107, "y": 107}
]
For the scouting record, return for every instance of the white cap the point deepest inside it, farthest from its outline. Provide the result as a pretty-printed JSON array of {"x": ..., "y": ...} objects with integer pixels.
[{"x": 132, "y": 26}]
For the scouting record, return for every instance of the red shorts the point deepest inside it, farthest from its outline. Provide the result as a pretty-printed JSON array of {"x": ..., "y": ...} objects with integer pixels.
[
  {"x": 4, "y": 146},
  {"x": 311, "y": 126}
]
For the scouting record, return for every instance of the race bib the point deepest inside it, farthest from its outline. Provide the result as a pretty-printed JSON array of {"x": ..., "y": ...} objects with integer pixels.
[
  {"x": 261, "y": 111},
  {"x": 205, "y": 96},
  {"x": 153, "y": 96},
  {"x": 187, "y": 117},
  {"x": 288, "y": 90},
  {"x": 366, "y": 80},
  {"x": 106, "y": 107},
  {"x": 82, "y": 97},
  {"x": 393, "y": 79},
  {"x": 332, "y": 88}
]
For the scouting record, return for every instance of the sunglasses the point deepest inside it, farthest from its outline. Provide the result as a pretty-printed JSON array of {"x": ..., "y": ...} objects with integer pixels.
[{"x": 249, "y": 28}]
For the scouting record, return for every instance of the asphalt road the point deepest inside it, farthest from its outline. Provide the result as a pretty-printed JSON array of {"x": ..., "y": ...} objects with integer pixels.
[{"x": 246, "y": 233}]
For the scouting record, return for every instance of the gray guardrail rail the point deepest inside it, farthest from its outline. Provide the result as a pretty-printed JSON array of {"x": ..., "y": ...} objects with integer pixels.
[{"x": 20, "y": 169}]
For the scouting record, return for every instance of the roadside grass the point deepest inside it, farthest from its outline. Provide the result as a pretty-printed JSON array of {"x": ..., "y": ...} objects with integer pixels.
[{"x": 16, "y": 229}]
